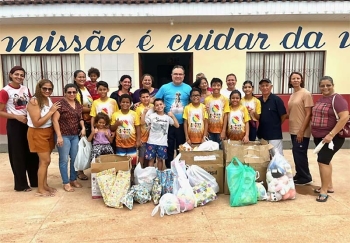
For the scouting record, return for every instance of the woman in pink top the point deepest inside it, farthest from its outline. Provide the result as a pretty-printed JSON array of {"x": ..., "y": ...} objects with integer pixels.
[
  {"x": 13, "y": 106},
  {"x": 299, "y": 110}
]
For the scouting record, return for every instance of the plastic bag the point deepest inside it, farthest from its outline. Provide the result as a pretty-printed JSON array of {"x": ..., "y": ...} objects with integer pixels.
[
  {"x": 261, "y": 191},
  {"x": 145, "y": 176},
  {"x": 186, "y": 197},
  {"x": 208, "y": 146},
  {"x": 241, "y": 183},
  {"x": 82, "y": 160},
  {"x": 204, "y": 193},
  {"x": 197, "y": 175},
  {"x": 137, "y": 193},
  {"x": 178, "y": 168},
  {"x": 168, "y": 204},
  {"x": 156, "y": 191}
]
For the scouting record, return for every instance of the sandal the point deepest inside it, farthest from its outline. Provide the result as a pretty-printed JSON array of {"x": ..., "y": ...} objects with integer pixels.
[
  {"x": 318, "y": 190},
  {"x": 82, "y": 176},
  {"x": 322, "y": 198},
  {"x": 27, "y": 189},
  {"x": 39, "y": 194},
  {"x": 75, "y": 184},
  {"x": 68, "y": 188}
]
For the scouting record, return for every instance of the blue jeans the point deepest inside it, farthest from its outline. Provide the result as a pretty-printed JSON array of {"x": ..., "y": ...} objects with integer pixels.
[{"x": 69, "y": 149}]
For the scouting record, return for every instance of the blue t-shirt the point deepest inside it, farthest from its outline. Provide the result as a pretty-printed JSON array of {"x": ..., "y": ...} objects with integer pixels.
[{"x": 175, "y": 97}]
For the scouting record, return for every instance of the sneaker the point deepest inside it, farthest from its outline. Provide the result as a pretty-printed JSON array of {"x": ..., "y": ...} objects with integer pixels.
[
  {"x": 295, "y": 178},
  {"x": 302, "y": 182}
]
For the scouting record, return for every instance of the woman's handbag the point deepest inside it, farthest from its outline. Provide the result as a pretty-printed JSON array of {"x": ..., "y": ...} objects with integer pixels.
[{"x": 345, "y": 132}]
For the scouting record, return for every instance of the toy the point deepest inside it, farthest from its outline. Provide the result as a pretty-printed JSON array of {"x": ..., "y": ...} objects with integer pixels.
[
  {"x": 274, "y": 196},
  {"x": 289, "y": 195}
]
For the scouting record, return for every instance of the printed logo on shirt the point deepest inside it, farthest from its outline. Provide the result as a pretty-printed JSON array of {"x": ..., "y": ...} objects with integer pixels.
[{"x": 177, "y": 107}]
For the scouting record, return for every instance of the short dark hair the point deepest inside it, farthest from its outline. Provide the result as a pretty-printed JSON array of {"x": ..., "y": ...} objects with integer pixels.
[
  {"x": 195, "y": 89},
  {"x": 158, "y": 99},
  {"x": 178, "y": 66},
  {"x": 215, "y": 80},
  {"x": 231, "y": 74},
  {"x": 125, "y": 96},
  {"x": 102, "y": 83},
  {"x": 95, "y": 71},
  {"x": 103, "y": 116},
  {"x": 302, "y": 84},
  {"x": 70, "y": 86},
  {"x": 144, "y": 91}
]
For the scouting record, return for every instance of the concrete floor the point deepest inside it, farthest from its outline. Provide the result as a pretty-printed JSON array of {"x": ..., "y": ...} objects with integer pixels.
[{"x": 75, "y": 217}]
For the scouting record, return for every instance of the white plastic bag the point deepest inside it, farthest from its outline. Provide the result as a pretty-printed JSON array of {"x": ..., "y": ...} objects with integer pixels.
[
  {"x": 197, "y": 175},
  {"x": 83, "y": 156},
  {"x": 145, "y": 176},
  {"x": 185, "y": 194},
  {"x": 168, "y": 204},
  {"x": 178, "y": 168},
  {"x": 208, "y": 146}
]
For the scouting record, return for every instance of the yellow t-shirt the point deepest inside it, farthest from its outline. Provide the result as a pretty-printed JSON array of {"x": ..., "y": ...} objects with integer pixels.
[
  {"x": 195, "y": 117},
  {"x": 216, "y": 108},
  {"x": 236, "y": 120},
  {"x": 254, "y": 104},
  {"x": 108, "y": 107},
  {"x": 126, "y": 133},
  {"x": 144, "y": 128}
]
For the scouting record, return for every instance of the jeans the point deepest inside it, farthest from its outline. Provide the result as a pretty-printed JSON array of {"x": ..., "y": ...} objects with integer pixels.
[
  {"x": 216, "y": 138},
  {"x": 69, "y": 149},
  {"x": 301, "y": 161}
]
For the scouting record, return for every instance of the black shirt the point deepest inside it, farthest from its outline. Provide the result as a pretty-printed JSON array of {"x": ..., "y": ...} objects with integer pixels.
[{"x": 270, "y": 125}]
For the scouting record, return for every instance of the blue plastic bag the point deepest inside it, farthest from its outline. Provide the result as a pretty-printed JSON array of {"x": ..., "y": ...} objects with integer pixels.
[{"x": 241, "y": 183}]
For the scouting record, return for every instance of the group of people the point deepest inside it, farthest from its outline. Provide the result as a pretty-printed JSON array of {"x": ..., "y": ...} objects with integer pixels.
[{"x": 150, "y": 124}]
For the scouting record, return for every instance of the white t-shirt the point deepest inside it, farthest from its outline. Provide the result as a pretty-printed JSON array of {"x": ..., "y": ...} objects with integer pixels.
[
  {"x": 16, "y": 100},
  {"x": 158, "y": 134},
  {"x": 43, "y": 112},
  {"x": 227, "y": 93}
]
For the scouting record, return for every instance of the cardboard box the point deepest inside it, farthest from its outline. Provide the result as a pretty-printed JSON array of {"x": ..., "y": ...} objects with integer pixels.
[
  {"x": 105, "y": 162},
  {"x": 255, "y": 154},
  {"x": 210, "y": 161}
]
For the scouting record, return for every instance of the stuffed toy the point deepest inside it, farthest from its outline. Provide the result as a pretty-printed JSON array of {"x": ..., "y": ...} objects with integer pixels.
[
  {"x": 274, "y": 196},
  {"x": 289, "y": 195}
]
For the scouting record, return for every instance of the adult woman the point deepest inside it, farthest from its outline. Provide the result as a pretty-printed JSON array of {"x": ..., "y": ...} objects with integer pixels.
[
  {"x": 40, "y": 133},
  {"x": 66, "y": 122},
  {"x": 85, "y": 99},
  {"x": 299, "y": 111},
  {"x": 22, "y": 162},
  {"x": 123, "y": 88},
  {"x": 147, "y": 81},
  {"x": 202, "y": 84},
  {"x": 324, "y": 129}
]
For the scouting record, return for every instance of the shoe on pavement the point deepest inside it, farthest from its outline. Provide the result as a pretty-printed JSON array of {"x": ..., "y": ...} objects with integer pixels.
[{"x": 302, "y": 182}]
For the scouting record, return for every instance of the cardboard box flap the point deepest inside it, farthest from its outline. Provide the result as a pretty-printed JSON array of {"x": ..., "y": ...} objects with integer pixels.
[
  {"x": 202, "y": 157},
  {"x": 111, "y": 158},
  {"x": 120, "y": 165}
]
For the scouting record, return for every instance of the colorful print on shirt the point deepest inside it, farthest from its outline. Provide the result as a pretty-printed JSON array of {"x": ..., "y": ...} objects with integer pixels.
[
  {"x": 216, "y": 107},
  {"x": 195, "y": 117},
  {"x": 126, "y": 132},
  {"x": 146, "y": 127},
  {"x": 236, "y": 123}
]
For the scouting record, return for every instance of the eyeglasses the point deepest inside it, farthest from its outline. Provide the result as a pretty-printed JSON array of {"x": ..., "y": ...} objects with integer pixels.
[
  {"x": 326, "y": 85},
  {"x": 71, "y": 92},
  {"x": 196, "y": 95},
  {"x": 47, "y": 89},
  {"x": 178, "y": 74}
]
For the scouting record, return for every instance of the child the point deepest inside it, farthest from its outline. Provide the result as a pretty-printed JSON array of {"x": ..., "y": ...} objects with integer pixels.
[
  {"x": 103, "y": 104},
  {"x": 127, "y": 126},
  {"x": 144, "y": 129},
  {"x": 93, "y": 74},
  {"x": 195, "y": 119},
  {"x": 217, "y": 107},
  {"x": 157, "y": 141},
  {"x": 237, "y": 119},
  {"x": 254, "y": 108},
  {"x": 101, "y": 136}
]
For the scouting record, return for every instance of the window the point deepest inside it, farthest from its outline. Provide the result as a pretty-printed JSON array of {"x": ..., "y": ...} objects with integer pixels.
[
  {"x": 57, "y": 68},
  {"x": 277, "y": 66}
]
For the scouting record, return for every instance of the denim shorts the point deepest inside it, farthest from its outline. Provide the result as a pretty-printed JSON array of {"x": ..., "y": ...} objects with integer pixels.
[{"x": 153, "y": 151}]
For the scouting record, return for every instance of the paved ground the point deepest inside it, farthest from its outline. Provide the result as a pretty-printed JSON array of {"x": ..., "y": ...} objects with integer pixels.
[{"x": 75, "y": 217}]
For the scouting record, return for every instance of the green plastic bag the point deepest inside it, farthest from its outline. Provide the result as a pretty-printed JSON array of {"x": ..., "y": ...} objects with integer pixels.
[{"x": 241, "y": 183}]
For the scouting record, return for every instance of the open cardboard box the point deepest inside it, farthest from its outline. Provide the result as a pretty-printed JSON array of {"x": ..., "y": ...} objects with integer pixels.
[
  {"x": 105, "y": 162},
  {"x": 255, "y": 154}
]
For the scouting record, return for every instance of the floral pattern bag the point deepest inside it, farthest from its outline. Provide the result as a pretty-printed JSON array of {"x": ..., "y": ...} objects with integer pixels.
[
  {"x": 106, "y": 180},
  {"x": 120, "y": 189},
  {"x": 166, "y": 180}
]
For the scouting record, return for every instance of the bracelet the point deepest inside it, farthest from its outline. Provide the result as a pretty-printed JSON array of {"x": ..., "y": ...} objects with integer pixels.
[{"x": 330, "y": 133}]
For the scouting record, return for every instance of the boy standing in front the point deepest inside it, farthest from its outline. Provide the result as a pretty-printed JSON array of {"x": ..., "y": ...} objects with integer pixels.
[
  {"x": 217, "y": 106},
  {"x": 144, "y": 129},
  {"x": 157, "y": 143}
]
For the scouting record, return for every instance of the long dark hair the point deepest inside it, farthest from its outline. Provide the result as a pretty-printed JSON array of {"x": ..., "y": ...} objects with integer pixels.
[
  {"x": 302, "y": 84},
  {"x": 122, "y": 78},
  {"x": 75, "y": 82},
  {"x": 198, "y": 81},
  {"x": 251, "y": 84}
]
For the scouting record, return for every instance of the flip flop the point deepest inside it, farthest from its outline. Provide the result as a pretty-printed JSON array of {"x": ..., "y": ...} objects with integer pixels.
[
  {"x": 318, "y": 190},
  {"x": 27, "y": 189},
  {"x": 75, "y": 184},
  {"x": 68, "y": 190},
  {"x": 38, "y": 194},
  {"x": 83, "y": 177},
  {"x": 322, "y": 198}
]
